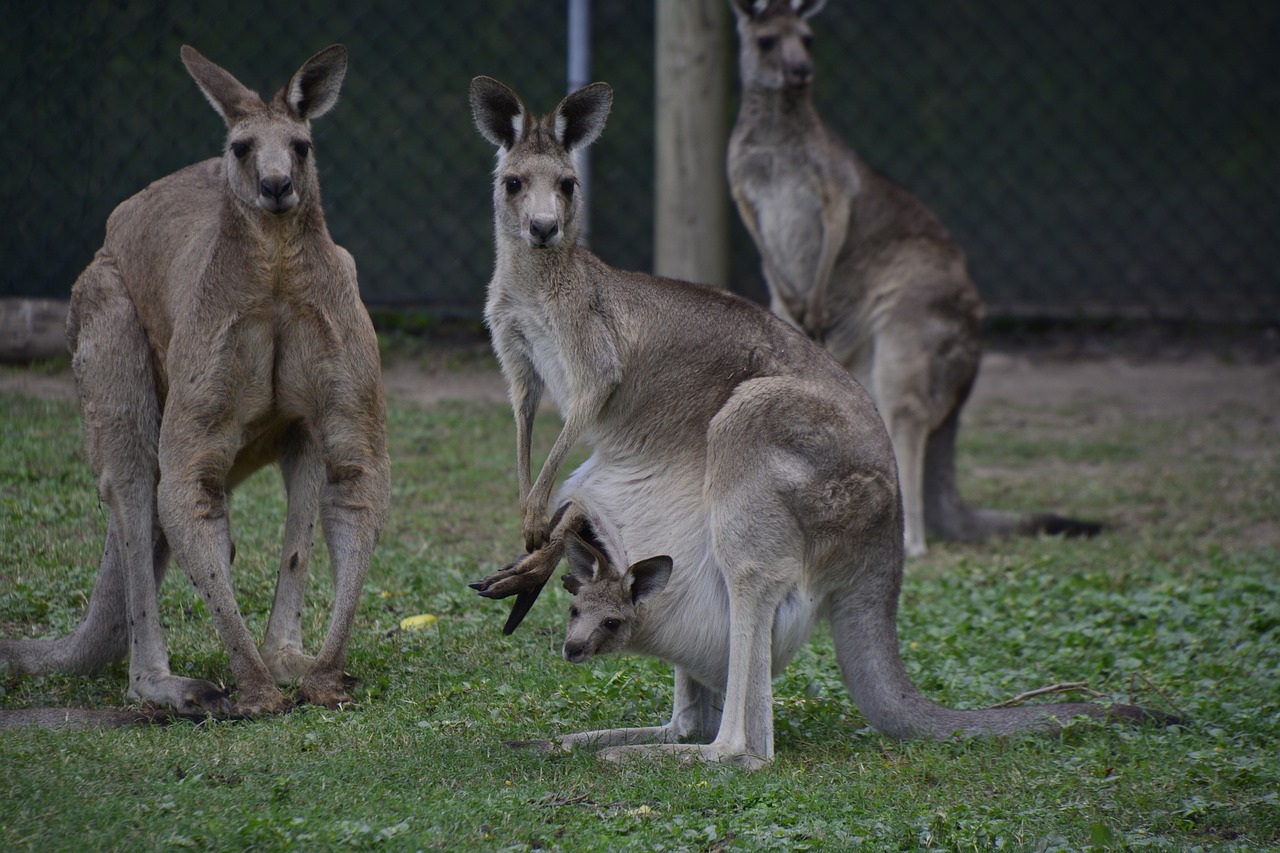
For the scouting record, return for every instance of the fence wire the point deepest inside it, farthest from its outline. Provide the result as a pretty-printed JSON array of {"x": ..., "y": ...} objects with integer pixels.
[{"x": 1094, "y": 159}]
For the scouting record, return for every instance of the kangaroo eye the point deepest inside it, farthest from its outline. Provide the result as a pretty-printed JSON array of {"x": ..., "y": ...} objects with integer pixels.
[
  {"x": 302, "y": 148},
  {"x": 566, "y": 187},
  {"x": 573, "y": 613},
  {"x": 240, "y": 148},
  {"x": 808, "y": 42},
  {"x": 767, "y": 43},
  {"x": 612, "y": 625},
  {"x": 513, "y": 185}
]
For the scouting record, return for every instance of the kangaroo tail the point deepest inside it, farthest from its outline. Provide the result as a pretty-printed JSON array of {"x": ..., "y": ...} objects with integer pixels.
[
  {"x": 863, "y": 621},
  {"x": 101, "y": 637},
  {"x": 948, "y": 517},
  {"x": 83, "y": 718}
]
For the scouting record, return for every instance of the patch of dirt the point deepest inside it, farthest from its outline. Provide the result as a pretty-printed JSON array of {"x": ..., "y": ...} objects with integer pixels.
[
  {"x": 1186, "y": 387},
  {"x": 1181, "y": 387}
]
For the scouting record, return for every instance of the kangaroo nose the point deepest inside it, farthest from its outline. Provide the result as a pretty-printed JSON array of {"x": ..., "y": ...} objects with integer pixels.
[
  {"x": 574, "y": 652},
  {"x": 801, "y": 71},
  {"x": 543, "y": 229},
  {"x": 277, "y": 187}
]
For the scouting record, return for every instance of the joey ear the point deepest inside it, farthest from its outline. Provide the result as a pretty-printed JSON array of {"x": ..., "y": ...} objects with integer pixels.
[
  {"x": 499, "y": 114},
  {"x": 586, "y": 563},
  {"x": 649, "y": 577},
  {"x": 231, "y": 98},
  {"x": 580, "y": 117},
  {"x": 313, "y": 90}
]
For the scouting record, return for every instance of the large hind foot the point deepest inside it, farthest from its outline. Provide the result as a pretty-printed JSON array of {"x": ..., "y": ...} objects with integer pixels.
[
  {"x": 327, "y": 689},
  {"x": 687, "y": 752},
  {"x": 186, "y": 696}
]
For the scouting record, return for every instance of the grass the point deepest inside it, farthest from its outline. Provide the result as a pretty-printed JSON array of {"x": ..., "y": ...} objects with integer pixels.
[{"x": 1177, "y": 604}]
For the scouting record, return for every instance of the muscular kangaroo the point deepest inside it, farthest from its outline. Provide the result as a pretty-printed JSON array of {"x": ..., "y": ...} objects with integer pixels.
[
  {"x": 217, "y": 330},
  {"x": 864, "y": 268},
  {"x": 724, "y": 442}
]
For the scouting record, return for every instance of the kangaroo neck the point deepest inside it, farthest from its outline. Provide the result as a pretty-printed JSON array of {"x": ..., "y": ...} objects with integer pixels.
[
  {"x": 544, "y": 272},
  {"x": 785, "y": 112}
]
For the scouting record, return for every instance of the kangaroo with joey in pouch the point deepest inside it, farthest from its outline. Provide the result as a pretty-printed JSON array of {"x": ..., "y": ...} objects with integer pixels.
[
  {"x": 863, "y": 267},
  {"x": 741, "y": 484},
  {"x": 220, "y": 329}
]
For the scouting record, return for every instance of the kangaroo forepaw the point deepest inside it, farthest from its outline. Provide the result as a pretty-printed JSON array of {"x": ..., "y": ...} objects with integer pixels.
[{"x": 527, "y": 574}]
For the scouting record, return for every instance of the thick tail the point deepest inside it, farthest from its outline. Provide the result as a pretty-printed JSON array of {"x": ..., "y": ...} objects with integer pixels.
[
  {"x": 948, "y": 517},
  {"x": 866, "y": 640},
  {"x": 82, "y": 718},
  {"x": 101, "y": 638}
]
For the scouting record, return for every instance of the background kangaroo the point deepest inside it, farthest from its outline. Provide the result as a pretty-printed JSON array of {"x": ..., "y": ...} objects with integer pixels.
[
  {"x": 864, "y": 268},
  {"x": 217, "y": 330},
  {"x": 723, "y": 440}
]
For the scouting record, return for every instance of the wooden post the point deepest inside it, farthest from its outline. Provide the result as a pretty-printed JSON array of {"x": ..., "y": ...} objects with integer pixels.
[
  {"x": 691, "y": 201},
  {"x": 32, "y": 329}
]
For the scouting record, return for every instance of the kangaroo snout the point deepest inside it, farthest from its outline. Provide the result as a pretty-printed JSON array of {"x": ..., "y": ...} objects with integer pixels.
[
  {"x": 277, "y": 189},
  {"x": 576, "y": 652},
  {"x": 800, "y": 73},
  {"x": 544, "y": 230}
]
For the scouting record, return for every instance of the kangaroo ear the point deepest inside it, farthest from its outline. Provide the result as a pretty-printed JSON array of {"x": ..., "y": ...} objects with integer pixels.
[
  {"x": 313, "y": 90},
  {"x": 586, "y": 563},
  {"x": 649, "y": 577},
  {"x": 807, "y": 8},
  {"x": 749, "y": 8},
  {"x": 231, "y": 98},
  {"x": 499, "y": 115},
  {"x": 580, "y": 117}
]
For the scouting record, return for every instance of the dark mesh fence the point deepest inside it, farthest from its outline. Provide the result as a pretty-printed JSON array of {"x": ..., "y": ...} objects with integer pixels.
[{"x": 1095, "y": 159}]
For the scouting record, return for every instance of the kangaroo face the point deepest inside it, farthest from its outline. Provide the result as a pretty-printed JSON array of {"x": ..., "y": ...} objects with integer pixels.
[
  {"x": 535, "y": 196},
  {"x": 606, "y": 613},
  {"x": 776, "y": 42},
  {"x": 776, "y": 52},
  {"x": 602, "y": 620},
  {"x": 269, "y": 162}
]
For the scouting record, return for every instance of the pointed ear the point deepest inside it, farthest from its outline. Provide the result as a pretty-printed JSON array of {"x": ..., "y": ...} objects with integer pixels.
[
  {"x": 748, "y": 8},
  {"x": 807, "y": 8},
  {"x": 313, "y": 90},
  {"x": 586, "y": 563},
  {"x": 580, "y": 117},
  {"x": 227, "y": 94},
  {"x": 499, "y": 115},
  {"x": 649, "y": 577}
]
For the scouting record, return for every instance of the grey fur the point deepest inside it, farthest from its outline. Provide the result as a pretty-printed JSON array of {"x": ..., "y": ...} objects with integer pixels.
[
  {"x": 863, "y": 267},
  {"x": 220, "y": 329},
  {"x": 726, "y": 443}
]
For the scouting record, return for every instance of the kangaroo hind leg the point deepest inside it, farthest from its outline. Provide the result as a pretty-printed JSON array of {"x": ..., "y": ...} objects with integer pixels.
[{"x": 121, "y": 410}]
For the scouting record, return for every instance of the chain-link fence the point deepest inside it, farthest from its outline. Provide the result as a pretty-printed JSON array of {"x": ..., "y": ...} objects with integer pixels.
[{"x": 1094, "y": 158}]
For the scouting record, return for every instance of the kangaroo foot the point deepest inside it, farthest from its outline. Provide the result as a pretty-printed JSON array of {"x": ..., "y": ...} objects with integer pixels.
[
  {"x": 327, "y": 689},
  {"x": 186, "y": 696},
  {"x": 687, "y": 752}
]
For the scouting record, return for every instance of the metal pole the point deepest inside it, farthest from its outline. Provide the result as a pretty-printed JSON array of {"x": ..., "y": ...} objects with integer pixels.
[{"x": 579, "y": 76}]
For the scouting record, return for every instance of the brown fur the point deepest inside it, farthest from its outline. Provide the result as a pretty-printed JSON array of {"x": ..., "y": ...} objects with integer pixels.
[
  {"x": 220, "y": 329},
  {"x": 724, "y": 441},
  {"x": 863, "y": 267}
]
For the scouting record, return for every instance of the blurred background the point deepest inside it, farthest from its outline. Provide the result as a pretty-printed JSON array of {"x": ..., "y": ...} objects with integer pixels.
[{"x": 1097, "y": 160}]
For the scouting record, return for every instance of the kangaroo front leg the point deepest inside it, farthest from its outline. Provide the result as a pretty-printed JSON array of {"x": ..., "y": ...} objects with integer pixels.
[
  {"x": 835, "y": 228},
  {"x": 303, "y": 474}
]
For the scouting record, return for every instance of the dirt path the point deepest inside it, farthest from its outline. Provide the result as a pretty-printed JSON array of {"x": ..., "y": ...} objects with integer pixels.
[{"x": 1194, "y": 386}]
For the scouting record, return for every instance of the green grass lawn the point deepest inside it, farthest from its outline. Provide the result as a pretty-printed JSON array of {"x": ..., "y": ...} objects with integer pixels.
[{"x": 1177, "y": 605}]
